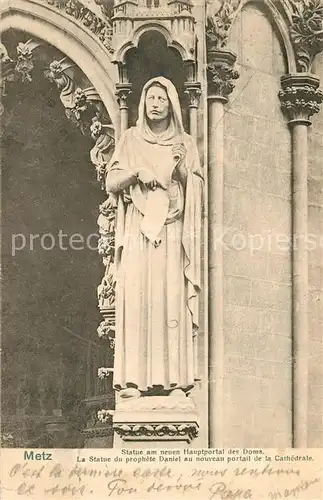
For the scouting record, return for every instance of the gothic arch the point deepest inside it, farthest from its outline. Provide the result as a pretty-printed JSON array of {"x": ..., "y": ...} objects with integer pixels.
[
  {"x": 133, "y": 42},
  {"x": 281, "y": 17},
  {"x": 71, "y": 39}
]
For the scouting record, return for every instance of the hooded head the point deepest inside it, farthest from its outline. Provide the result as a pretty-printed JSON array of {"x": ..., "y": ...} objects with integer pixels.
[{"x": 175, "y": 127}]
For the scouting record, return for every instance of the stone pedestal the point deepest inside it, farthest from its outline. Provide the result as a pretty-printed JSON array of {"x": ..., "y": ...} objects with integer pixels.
[{"x": 155, "y": 421}]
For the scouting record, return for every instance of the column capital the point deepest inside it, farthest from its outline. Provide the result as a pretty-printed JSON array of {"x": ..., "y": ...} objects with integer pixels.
[
  {"x": 221, "y": 73},
  {"x": 123, "y": 91},
  {"x": 193, "y": 93},
  {"x": 300, "y": 97}
]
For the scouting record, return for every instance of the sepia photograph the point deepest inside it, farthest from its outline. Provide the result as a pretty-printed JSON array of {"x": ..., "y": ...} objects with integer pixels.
[{"x": 162, "y": 230}]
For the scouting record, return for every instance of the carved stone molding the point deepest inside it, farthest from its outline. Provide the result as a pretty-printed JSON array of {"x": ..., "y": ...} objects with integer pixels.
[
  {"x": 300, "y": 97},
  {"x": 98, "y": 431},
  {"x": 221, "y": 73},
  {"x": 193, "y": 93},
  {"x": 146, "y": 431},
  {"x": 101, "y": 28},
  {"x": 220, "y": 15},
  {"x": 307, "y": 31}
]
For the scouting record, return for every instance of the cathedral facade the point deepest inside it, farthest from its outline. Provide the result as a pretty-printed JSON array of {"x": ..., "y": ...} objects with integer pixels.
[{"x": 248, "y": 77}]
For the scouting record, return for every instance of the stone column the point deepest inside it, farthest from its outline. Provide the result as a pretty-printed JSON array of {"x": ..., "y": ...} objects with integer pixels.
[
  {"x": 220, "y": 75},
  {"x": 300, "y": 99},
  {"x": 123, "y": 91},
  {"x": 193, "y": 92}
]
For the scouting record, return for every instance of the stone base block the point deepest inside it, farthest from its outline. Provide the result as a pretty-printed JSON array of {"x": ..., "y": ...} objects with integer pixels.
[{"x": 155, "y": 421}]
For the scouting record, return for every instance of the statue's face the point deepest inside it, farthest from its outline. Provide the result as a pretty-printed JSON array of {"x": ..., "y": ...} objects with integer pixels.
[{"x": 157, "y": 104}]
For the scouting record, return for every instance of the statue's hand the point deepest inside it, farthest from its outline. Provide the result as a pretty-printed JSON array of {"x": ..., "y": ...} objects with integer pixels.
[
  {"x": 145, "y": 176},
  {"x": 179, "y": 152},
  {"x": 148, "y": 179}
]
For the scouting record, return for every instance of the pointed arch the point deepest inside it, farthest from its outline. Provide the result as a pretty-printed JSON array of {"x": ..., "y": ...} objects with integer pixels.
[
  {"x": 281, "y": 17},
  {"x": 72, "y": 39},
  {"x": 133, "y": 41}
]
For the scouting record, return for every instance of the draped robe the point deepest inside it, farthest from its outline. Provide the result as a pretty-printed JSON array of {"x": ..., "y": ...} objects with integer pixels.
[{"x": 158, "y": 238}]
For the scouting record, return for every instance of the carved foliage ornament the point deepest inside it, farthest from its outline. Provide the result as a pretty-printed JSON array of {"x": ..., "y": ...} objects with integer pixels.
[
  {"x": 300, "y": 102},
  {"x": 307, "y": 31},
  {"x": 178, "y": 431},
  {"x": 220, "y": 78},
  {"x": 102, "y": 29},
  {"x": 220, "y": 15}
]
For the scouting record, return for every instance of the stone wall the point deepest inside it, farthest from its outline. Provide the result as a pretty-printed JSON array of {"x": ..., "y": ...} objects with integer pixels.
[{"x": 257, "y": 265}]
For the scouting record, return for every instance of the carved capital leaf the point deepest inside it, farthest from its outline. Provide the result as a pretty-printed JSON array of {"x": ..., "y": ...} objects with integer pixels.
[
  {"x": 221, "y": 73},
  {"x": 300, "y": 97},
  {"x": 307, "y": 31}
]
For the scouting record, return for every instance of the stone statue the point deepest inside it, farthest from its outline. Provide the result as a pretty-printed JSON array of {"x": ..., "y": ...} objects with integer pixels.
[{"x": 156, "y": 178}]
